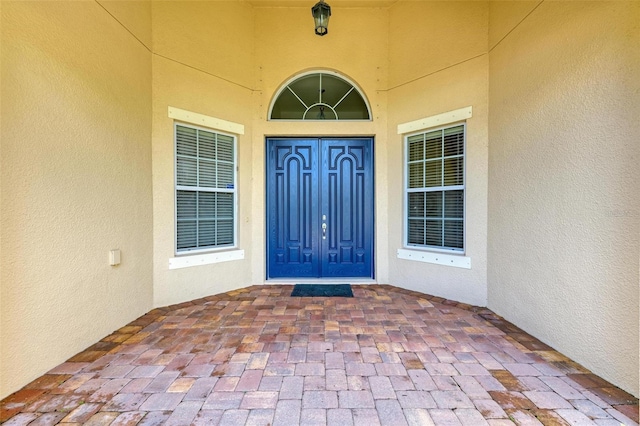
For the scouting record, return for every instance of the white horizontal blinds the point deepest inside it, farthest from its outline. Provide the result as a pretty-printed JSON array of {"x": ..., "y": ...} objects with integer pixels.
[
  {"x": 187, "y": 211},
  {"x": 205, "y": 189},
  {"x": 435, "y": 193},
  {"x": 225, "y": 161}
]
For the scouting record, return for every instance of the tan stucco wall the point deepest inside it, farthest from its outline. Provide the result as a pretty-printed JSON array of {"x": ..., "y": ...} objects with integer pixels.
[
  {"x": 76, "y": 181},
  {"x": 134, "y": 15},
  {"x": 207, "y": 69},
  {"x": 430, "y": 75},
  {"x": 504, "y": 16},
  {"x": 563, "y": 184}
]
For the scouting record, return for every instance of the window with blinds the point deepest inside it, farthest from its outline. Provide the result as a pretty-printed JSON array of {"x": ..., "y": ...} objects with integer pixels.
[
  {"x": 205, "y": 189},
  {"x": 435, "y": 189}
]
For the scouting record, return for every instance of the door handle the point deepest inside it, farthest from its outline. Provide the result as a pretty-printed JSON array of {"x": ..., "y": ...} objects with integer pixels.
[{"x": 324, "y": 231}]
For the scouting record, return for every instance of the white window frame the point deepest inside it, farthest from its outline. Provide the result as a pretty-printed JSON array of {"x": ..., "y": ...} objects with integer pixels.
[{"x": 234, "y": 191}]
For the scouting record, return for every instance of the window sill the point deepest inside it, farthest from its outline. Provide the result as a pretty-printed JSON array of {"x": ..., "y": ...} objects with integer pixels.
[
  {"x": 205, "y": 259},
  {"x": 437, "y": 258}
]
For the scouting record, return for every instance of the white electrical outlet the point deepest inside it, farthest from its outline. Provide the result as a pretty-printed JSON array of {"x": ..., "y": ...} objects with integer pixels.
[{"x": 114, "y": 257}]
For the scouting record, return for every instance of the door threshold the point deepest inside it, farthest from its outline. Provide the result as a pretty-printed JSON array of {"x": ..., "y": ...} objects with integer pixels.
[{"x": 291, "y": 281}]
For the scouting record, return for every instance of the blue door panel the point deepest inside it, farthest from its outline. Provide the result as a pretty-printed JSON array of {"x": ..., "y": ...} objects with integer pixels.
[
  {"x": 320, "y": 208},
  {"x": 347, "y": 250},
  {"x": 292, "y": 194}
]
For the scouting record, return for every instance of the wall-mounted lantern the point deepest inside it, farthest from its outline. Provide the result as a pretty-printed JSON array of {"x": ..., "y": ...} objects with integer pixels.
[{"x": 321, "y": 13}]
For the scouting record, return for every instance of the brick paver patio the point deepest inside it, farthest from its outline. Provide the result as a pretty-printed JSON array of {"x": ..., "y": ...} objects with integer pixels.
[{"x": 256, "y": 356}]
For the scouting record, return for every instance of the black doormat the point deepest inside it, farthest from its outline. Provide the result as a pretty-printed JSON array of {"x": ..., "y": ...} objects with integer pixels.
[{"x": 322, "y": 290}]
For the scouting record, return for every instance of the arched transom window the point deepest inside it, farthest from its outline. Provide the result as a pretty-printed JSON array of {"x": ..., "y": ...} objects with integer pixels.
[{"x": 319, "y": 96}]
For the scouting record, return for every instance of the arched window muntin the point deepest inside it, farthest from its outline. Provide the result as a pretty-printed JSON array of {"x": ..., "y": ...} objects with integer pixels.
[{"x": 311, "y": 108}]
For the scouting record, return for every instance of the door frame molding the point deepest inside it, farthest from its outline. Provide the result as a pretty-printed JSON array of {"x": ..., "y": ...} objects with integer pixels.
[{"x": 365, "y": 280}]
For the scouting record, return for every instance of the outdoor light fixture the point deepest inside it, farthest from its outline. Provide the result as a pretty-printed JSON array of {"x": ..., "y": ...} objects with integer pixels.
[{"x": 321, "y": 13}]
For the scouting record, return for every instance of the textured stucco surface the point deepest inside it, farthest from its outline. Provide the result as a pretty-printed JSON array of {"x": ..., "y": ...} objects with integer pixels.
[
  {"x": 428, "y": 36},
  {"x": 563, "y": 183},
  {"x": 135, "y": 16},
  {"x": 504, "y": 16},
  {"x": 463, "y": 82},
  {"x": 76, "y": 182},
  {"x": 219, "y": 87}
]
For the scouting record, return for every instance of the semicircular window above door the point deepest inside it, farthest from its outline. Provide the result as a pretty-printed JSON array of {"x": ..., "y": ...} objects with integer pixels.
[{"x": 319, "y": 96}]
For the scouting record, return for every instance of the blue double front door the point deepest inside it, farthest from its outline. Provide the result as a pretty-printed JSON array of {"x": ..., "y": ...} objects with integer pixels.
[{"x": 320, "y": 207}]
